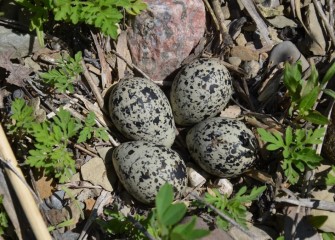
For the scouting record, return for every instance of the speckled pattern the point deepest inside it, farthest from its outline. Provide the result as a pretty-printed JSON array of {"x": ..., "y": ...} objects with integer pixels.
[
  {"x": 144, "y": 167},
  {"x": 222, "y": 147},
  {"x": 140, "y": 111},
  {"x": 201, "y": 90}
]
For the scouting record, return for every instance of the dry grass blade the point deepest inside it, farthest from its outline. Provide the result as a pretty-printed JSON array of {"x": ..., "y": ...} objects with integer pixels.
[
  {"x": 325, "y": 20},
  {"x": 304, "y": 202},
  {"x": 106, "y": 76},
  {"x": 23, "y": 193},
  {"x": 250, "y": 6}
]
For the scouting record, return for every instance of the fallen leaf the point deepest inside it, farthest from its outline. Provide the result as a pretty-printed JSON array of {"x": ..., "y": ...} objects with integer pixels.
[{"x": 17, "y": 73}]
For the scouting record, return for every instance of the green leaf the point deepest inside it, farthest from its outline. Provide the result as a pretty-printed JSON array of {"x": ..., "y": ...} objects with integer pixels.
[
  {"x": 311, "y": 82},
  {"x": 288, "y": 136},
  {"x": 328, "y": 236},
  {"x": 308, "y": 101},
  {"x": 163, "y": 200},
  {"x": 329, "y": 92},
  {"x": 315, "y": 117},
  {"x": 330, "y": 179},
  {"x": 317, "y": 221},
  {"x": 173, "y": 214},
  {"x": 187, "y": 232},
  {"x": 269, "y": 137},
  {"x": 329, "y": 74},
  {"x": 292, "y": 78}
]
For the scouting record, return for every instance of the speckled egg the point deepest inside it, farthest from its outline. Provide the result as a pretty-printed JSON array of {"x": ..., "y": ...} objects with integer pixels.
[
  {"x": 140, "y": 110},
  {"x": 200, "y": 90},
  {"x": 222, "y": 147},
  {"x": 144, "y": 167}
]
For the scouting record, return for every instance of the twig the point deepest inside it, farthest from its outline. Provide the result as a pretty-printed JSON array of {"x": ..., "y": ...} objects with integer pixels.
[
  {"x": 250, "y": 6},
  {"x": 132, "y": 66},
  {"x": 325, "y": 21},
  {"x": 140, "y": 227},
  {"x": 230, "y": 220},
  {"x": 211, "y": 12},
  {"x": 331, "y": 14},
  {"x": 9, "y": 165},
  {"x": 223, "y": 29},
  {"x": 25, "y": 197},
  {"x": 101, "y": 201},
  {"x": 94, "y": 88},
  {"x": 310, "y": 203},
  {"x": 106, "y": 77}
]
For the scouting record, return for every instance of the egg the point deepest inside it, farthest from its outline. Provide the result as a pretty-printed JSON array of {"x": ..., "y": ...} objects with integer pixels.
[
  {"x": 140, "y": 110},
  {"x": 144, "y": 167},
  {"x": 222, "y": 147},
  {"x": 200, "y": 90}
]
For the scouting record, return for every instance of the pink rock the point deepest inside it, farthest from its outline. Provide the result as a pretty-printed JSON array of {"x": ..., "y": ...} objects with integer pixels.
[{"x": 164, "y": 35}]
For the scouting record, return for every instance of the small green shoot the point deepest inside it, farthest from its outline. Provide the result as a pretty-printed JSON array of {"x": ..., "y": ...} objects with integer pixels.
[
  {"x": 52, "y": 138},
  {"x": 65, "y": 74},
  {"x": 328, "y": 236},
  {"x": 161, "y": 223},
  {"x": 22, "y": 117},
  {"x": 103, "y": 14},
  {"x": 297, "y": 150},
  {"x": 3, "y": 218},
  {"x": 304, "y": 94},
  {"x": 234, "y": 207},
  {"x": 90, "y": 130},
  {"x": 330, "y": 179}
]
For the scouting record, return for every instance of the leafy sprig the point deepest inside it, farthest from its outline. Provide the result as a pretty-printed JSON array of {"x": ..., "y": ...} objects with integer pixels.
[
  {"x": 64, "y": 74},
  {"x": 103, "y": 14},
  {"x": 330, "y": 179},
  {"x": 304, "y": 94},
  {"x": 161, "y": 222},
  {"x": 297, "y": 150},
  {"x": 52, "y": 138},
  {"x": 234, "y": 207},
  {"x": 89, "y": 130}
]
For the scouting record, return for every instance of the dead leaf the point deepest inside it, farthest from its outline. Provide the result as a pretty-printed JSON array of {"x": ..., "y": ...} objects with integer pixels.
[
  {"x": 17, "y": 73},
  {"x": 122, "y": 49}
]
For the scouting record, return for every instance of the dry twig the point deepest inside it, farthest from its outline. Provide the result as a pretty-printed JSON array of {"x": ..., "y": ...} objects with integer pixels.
[
  {"x": 23, "y": 193},
  {"x": 318, "y": 7}
]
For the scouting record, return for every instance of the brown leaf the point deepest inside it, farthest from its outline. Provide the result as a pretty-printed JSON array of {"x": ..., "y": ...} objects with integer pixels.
[{"x": 17, "y": 72}]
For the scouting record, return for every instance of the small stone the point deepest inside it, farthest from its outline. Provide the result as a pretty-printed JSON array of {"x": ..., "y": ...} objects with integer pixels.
[
  {"x": 23, "y": 44},
  {"x": 96, "y": 172},
  {"x": 165, "y": 34},
  {"x": 240, "y": 40},
  {"x": 225, "y": 186},
  {"x": 195, "y": 179},
  {"x": 251, "y": 68},
  {"x": 244, "y": 53},
  {"x": 236, "y": 61}
]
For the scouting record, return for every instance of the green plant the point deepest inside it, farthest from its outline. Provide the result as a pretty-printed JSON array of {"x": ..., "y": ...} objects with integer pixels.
[
  {"x": 103, "y": 14},
  {"x": 330, "y": 179},
  {"x": 51, "y": 138},
  {"x": 89, "y": 130},
  {"x": 297, "y": 149},
  {"x": 51, "y": 141},
  {"x": 161, "y": 222},
  {"x": 233, "y": 207},
  {"x": 304, "y": 94},
  {"x": 65, "y": 74},
  {"x": 3, "y": 218}
]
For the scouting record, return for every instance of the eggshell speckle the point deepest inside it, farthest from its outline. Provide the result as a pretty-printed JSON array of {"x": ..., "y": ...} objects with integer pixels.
[
  {"x": 140, "y": 111},
  {"x": 222, "y": 147},
  {"x": 144, "y": 167},
  {"x": 201, "y": 90}
]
